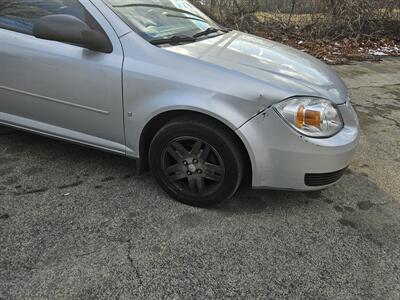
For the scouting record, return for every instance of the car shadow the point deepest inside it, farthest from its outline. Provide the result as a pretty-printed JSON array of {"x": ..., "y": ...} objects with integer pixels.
[{"x": 353, "y": 195}]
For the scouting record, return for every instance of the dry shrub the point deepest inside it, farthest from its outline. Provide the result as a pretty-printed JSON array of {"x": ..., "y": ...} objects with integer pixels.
[
  {"x": 356, "y": 18},
  {"x": 309, "y": 19}
]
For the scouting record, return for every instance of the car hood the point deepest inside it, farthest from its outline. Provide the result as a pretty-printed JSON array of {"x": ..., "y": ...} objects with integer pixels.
[{"x": 276, "y": 64}]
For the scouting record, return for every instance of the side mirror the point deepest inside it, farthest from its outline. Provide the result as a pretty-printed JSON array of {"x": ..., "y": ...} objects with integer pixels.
[{"x": 69, "y": 29}]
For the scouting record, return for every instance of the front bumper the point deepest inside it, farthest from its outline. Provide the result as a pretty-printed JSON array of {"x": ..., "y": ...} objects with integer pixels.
[{"x": 281, "y": 157}]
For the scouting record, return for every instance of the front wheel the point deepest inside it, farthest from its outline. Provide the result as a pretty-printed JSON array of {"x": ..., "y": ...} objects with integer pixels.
[{"x": 197, "y": 161}]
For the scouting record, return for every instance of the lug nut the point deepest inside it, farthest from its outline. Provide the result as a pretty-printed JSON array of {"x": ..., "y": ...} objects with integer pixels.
[
  {"x": 199, "y": 171},
  {"x": 185, "y": 162},
  {"x": 189, "y": 173},
  {"x": 195, "y": 161}
]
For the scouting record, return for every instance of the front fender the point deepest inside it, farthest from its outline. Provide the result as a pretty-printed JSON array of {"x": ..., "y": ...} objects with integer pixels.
[
  {"x": 156, "y": 81},
  {"x": 140, "y": 111}
]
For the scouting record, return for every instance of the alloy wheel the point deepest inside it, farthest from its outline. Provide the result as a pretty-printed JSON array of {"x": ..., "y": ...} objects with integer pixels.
[{"x": 193, "y": 166}]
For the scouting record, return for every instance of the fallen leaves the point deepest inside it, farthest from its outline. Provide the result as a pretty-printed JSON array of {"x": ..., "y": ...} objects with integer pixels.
[{"x": 344, "y": 50}]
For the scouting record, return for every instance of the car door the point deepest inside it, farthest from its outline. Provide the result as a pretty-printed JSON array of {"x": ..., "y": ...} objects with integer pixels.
[{"x": 56, "y": 88}]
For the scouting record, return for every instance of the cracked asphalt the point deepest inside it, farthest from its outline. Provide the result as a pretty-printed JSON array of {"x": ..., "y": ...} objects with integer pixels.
[{"x": 76, "y": 223}]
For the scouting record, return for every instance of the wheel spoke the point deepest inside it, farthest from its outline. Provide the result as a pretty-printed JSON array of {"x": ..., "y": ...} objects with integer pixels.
[
  {"x": 213, "y": 172},
  {"x": 196, "y": 148},
  {"x": 214, "y": 168},
  {"x": 212, "y": 176},
  {"x": 175, "y": 173},
  {"x": 200, "y": 184},
  {"x": 174, "y": 154},
  {"x": 173, "y": 169},
  {"x": 192, "y": 184},
  {"x": 180, "y": 149},
  {"x": 177, "y": 176},
  {"x": 205, "y": 152}
]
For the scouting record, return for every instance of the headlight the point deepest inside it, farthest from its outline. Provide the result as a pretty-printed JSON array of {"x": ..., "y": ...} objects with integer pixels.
[{"x": 310, "y": 116}]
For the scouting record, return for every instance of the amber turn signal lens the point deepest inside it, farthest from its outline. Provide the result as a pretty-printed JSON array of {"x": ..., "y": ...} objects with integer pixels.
[
  {"x": 300, "y": 117},
  {"x": 308, "y": 117}
]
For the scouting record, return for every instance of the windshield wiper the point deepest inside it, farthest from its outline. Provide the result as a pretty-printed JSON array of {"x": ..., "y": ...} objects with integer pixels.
[
  {"x": 175, "y": 39},
  {"x": 226, "y": 29},
  {"x": 160, "y": 6},
  {"x": 208, "y": 31}
]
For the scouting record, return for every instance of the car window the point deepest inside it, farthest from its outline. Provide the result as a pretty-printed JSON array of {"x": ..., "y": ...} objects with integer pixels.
[
  {"x": 157, "y": 19},
  {"x": 20, "y": 15}
]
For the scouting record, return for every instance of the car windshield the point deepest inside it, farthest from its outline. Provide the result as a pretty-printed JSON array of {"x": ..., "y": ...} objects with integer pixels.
[{"x": 163, "y": 19}]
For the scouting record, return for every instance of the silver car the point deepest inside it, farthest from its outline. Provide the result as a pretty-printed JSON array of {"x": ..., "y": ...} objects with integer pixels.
[{"x": 204, "y": 107}]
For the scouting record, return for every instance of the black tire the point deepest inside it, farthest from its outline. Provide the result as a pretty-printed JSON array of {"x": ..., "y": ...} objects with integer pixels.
[{"x": 197, "y": 161}]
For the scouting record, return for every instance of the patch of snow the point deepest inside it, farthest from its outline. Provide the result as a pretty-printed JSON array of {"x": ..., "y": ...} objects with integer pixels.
[
  {"x": 376, "y": 53},
  {"x": 384, "y": 51}
]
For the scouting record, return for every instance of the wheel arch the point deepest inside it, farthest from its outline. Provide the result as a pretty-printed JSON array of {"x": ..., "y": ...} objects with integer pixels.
[{"x": 158, "y": 121}]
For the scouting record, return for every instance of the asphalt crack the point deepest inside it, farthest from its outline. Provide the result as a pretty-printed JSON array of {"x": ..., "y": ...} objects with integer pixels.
[
  {"x": 128, "y": 257},
  {"x": 379, "y": 112},
  {"x": 132, "y": 263}
]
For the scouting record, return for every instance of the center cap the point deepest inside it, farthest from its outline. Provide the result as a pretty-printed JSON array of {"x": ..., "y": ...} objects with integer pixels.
[{"x": 192, "y": 168}]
